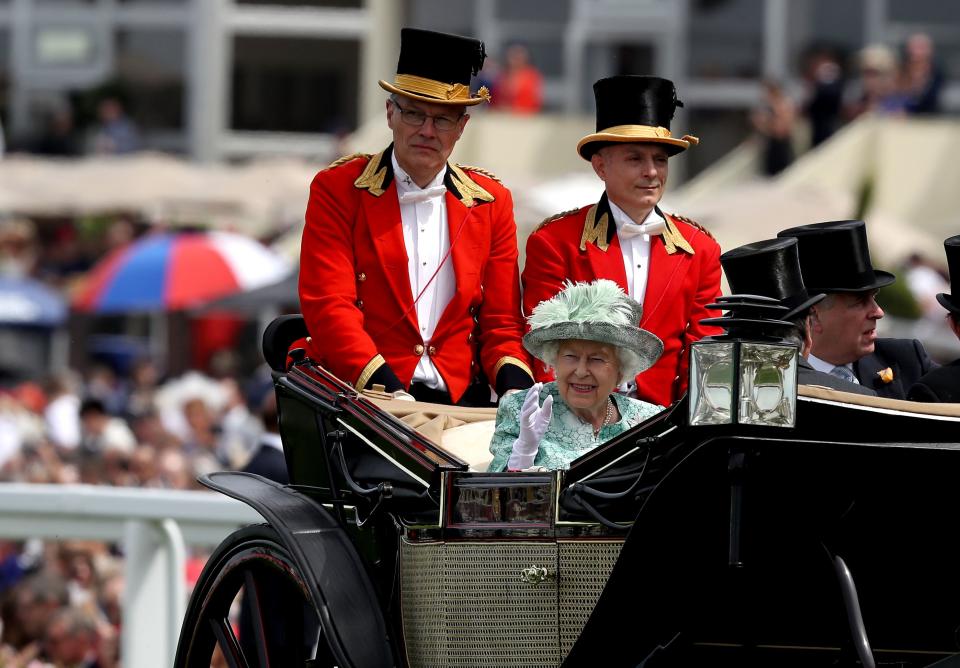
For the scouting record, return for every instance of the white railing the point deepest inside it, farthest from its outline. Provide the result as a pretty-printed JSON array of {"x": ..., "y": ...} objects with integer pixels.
[{"x": 153, "y": 528}]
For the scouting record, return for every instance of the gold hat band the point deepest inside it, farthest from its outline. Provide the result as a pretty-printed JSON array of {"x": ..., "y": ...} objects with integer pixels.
[
  {"x": 437, "y": 89},
  {"x": 645, "y": 132}
]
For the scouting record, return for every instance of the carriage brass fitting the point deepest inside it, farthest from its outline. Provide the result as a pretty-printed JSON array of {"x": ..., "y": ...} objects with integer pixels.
[{"x": 535, "y": 575}]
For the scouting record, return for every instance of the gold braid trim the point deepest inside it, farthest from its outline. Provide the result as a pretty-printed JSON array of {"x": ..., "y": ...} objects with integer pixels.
[
  {"x": 437, "y": 89},
  {"x": 369, "y": 370},
  {"x": 480, "y": 170},
  {"x": 347, "y": 158},
  {"x": 673, "y": 240},
  {"x": 371, "y": 179},
  {"x": 593, "y": 231},
  {"x": 469, "y": 189},
  {"x": 510, "y": 360},
  {"x": 556, "y": 216},
  {"x": 692, "y": 223}
]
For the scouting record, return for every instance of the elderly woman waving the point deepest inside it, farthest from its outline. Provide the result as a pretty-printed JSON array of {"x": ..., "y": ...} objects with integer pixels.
[{"x": 588, "y": 333}]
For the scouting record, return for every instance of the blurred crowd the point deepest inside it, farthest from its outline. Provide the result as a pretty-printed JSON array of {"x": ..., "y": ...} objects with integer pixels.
[
  {"x": 60, "y": 601},
  {"x": 878, "y": 80},
  {"x": 60, "y": 605}
]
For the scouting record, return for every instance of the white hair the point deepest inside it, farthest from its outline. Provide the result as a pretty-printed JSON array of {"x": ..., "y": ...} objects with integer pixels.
[{"x": 628, "y": 361}]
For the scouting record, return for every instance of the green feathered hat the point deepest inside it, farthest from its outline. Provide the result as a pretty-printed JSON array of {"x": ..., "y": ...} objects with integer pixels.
[{"x": 597, "y": 311}]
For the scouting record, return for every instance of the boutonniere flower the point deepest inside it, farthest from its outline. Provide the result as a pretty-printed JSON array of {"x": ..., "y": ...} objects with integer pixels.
[{"x": 886, "y": 375}]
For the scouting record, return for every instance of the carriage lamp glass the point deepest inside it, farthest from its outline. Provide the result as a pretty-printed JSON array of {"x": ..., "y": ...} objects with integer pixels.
[{"x": 740, "y": 382}]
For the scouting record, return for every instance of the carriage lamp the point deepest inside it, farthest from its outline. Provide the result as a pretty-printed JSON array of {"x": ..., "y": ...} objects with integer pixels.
[
  {"x": 746, "y": 376},
  {"x": 741, "y": 382}
]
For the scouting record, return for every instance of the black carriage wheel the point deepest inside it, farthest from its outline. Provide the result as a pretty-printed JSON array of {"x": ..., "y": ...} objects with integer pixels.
[{"x": 279, "y": 624}]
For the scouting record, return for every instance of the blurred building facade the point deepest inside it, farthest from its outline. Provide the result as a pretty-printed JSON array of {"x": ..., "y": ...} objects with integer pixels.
[{"x": 221, "y": 79}]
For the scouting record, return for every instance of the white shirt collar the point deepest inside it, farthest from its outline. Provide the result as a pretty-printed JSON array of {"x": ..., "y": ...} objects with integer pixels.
[
  {"x": 620, "y": 217},
  {"x": 405, "y": 182},
  {"x": 823, "y": 365}
]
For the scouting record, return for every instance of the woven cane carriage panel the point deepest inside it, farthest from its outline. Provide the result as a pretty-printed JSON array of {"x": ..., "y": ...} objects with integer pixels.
[
  {"x": 584, "y": 569},
  {"x": 475, "y": 610},
  {"x": 424, "y": 628}
]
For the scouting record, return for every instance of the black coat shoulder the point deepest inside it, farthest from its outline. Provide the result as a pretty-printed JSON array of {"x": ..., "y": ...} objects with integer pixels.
[{"x": 939, "y": 385}]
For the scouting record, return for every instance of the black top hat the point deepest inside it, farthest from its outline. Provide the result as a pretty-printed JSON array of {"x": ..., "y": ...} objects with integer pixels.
[
  {"x": 436, "y": 67},
  {"x": 951, "y": 302},
  {"x": 769, "y": 268},
  {"x": 834, "y": 257},
  {"x": 633, "y": 108}
]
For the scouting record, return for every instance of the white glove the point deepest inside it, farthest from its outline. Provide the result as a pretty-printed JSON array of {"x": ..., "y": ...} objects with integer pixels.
[
  {"x": 534, "y": 420},
  {"x": 403, "y": 396}
]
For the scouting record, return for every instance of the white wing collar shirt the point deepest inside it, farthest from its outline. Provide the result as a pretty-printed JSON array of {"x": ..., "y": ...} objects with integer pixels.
[
  {"x": 423, "y": 212},
  {"x": 635, "y": 247}
]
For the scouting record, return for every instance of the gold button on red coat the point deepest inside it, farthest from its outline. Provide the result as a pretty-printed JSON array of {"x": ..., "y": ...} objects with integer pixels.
[
  {"x": 431, "y": 351},
  {"x": 360, "y": 303},
  {"x": 470, "y": 336},
  {"x": 418, "y": 349},
  {"x": 361, "y": 277}
]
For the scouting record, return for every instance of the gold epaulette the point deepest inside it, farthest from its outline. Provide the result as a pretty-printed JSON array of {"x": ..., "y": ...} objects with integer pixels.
[
  {"x": 556, "y": 216},
  {"x": 480, "y": 170},
  {"x": 692, "y": 223},
  {"x": 347, "y": 158}
]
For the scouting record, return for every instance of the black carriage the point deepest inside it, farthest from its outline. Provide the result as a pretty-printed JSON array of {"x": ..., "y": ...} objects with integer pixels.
[{"x": 747, "y": 524}]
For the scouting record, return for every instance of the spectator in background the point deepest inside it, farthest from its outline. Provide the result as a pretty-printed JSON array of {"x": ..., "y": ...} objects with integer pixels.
[
  {"x": 268, "y": 459},
  {"x": 924, "y": 281},
  {"x": 18, "y": 247},
  {"x": 141, "y": 389},
  {"x": 877, "y": 88},
  {"x": 488, "y": 77},
  {"x": 101, "y": 433},
  {"x": 922, "y": 78},
  {"x": 71, "y": 639},
  {"x": 36, "y": 599},
  {"x": 824, "y": 80},
  {"x": 519, "y": 88},
  {"x": 58, "y": 137},
  {"x": 103, "y": 384},
  {"x": 116, "y": 134},
  {"x": 62, "y": 413},
  {"x": 774, "y": 121}
]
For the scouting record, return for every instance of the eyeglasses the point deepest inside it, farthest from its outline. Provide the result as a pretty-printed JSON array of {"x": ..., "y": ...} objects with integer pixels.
[
  {"x": 417, "y": 118},
  {"x": 594, "y": 363}
]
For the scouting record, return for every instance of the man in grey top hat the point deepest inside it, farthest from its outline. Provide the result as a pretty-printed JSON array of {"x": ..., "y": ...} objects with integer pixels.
[
  {"x": 943, "y": 384},
  {"x": 771, "y": 268},
  {"x": 835, "y": 259}
]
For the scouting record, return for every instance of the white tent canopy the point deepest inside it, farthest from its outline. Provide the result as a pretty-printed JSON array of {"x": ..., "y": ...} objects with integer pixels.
[{"x": 255, "y": 198}]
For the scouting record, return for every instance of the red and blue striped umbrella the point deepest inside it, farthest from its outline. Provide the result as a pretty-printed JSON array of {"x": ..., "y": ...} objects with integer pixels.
[{"x": 170, "y": 271}]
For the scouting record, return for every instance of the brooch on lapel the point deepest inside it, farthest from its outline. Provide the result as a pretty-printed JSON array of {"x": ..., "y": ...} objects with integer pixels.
[{"x": 886, "y": 375}]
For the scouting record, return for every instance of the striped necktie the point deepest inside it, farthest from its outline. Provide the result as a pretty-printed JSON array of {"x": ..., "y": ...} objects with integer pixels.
[{"x": 843, "y": 372}]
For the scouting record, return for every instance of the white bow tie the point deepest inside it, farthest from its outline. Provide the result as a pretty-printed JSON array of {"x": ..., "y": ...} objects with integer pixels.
[
  {"x": 413, "y": 196},
  {"x": 630, "y": 230}
]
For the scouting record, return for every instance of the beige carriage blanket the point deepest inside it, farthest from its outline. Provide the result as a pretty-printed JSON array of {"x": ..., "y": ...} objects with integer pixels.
[
  {"x": 818, "y": 392},
  {"x": 464, "y": 432}
]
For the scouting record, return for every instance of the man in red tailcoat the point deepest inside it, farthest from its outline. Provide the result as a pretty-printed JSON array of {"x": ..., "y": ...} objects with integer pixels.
[
  {"x": 668, "y": 263},
  {"x": 408, "y": 266}
]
